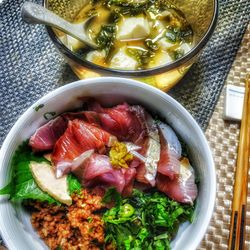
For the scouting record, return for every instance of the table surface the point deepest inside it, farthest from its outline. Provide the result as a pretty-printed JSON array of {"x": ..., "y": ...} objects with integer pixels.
[
  {"x": 223, "y": 137},
  {"x": 30, "y": 67}
]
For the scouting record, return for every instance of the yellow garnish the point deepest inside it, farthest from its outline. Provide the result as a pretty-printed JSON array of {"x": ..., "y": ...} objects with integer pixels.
[{"x": 119, "y": 155}]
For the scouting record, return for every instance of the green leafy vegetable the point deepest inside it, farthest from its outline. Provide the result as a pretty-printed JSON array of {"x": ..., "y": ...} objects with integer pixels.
[
  {"x": 144, "y": 220},
  {"x": 105, "y": 37},
  {"x": 151, "y": 45},
  {"x": 23, "y": 186},
  {"x": 129, "y": 8},
  {"x": 74, "y": 186},
  {"x": 142, "y": 56},
  {"x": 8, "y": 189},
  {"x": 176, "y": 54},
  {"x": 171, "y": 36},
  {"x": 112, "y": 195},
  {"x": 178, "y": 35},
  {"x": 134, "y": 8}
]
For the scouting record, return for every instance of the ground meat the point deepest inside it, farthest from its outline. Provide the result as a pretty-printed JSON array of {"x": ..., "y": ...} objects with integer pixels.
[{"x": 73, "y": 227}]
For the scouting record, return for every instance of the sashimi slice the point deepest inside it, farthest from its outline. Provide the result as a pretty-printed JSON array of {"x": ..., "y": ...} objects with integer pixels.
[
  {"x": 46, "y": 136},
  {"x": 129, "y": 177},
  {"x": 114, "y": 178},
  {"x": 78, "y": 138},
  {"x": 89, "y": 116},
  {"x": 90, "y": 136},
  {"x": 182, "y": 189},
  {"x": 171, "y": 138},
  {"x": 140, "y": 173},
  {"x": 147, "y": 170},
  {"x": 98, "y": 171},
  {"x": 169, "y": 164},
  {"x": 96, "y": 166},
  {"x": 126, "y": 122}
]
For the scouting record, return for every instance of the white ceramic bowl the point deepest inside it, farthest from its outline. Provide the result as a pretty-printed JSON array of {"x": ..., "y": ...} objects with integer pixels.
[{"x": 15, "y": 226}]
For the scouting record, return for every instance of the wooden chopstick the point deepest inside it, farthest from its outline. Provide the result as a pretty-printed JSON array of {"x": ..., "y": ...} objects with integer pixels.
[{"x": 238, "y": 217}]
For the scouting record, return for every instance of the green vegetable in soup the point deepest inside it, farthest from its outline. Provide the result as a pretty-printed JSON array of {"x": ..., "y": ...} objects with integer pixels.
[
  {"x": 144, "y": 220},
  {"x": 176, "y": 54},
  {"x": 144, "y": 30},
  {"x": 129, "y": 8},
  {"x": 142, "y": 56},
  {"x": 105, "y": 37},
  {"x": 23, "y": 186}
]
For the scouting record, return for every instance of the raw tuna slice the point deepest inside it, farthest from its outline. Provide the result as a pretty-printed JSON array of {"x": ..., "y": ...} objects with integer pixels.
[
  {"x": 89, "y": 116},
  {"x": 182, "y": 189},
  {"x": 96, "y": 166},
  {"x": 97, "y": 170},
  {"x": 129, "y": 176},
  {"x": 46, "y": 136},
  {"x": 169, "y": 164},
  {"x": 127, "y": 123},
  {"x": 113, "y": 178},
  {"x": 78, "y": 138}
]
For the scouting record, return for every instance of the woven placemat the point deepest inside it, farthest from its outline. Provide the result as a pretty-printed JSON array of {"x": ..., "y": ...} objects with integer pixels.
[
  {"x": 223, "y": 137},
  {"x": 30, "y": 67}
]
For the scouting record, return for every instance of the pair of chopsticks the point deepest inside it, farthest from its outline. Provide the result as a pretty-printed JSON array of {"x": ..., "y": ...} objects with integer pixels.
[{"x": 238, "y": 217}]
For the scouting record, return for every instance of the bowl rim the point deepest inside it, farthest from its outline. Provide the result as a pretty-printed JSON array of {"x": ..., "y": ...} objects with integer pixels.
[
  {"x": 120, "y": 81},
  {"x": 137, "y": 73}
]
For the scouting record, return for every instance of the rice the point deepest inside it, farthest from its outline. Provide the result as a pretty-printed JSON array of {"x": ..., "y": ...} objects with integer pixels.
[{"x": 73, "y": 227}]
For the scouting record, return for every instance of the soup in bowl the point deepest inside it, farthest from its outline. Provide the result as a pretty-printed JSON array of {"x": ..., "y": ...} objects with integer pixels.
[{"x": 155, "y": 41}]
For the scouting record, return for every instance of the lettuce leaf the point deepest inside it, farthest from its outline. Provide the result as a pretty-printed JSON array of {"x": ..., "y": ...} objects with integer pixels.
[{"x": 23, "y": 186}]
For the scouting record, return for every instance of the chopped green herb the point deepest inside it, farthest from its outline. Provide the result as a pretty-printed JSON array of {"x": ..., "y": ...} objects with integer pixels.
[
  {"x": 176, "y": 54},
  {"x": 90, "y": 219},
  {"x": 105, "y": 37},
  {"x": 144, "y": 221},
  {"x": 74, "y": 186},
  {"x": 114, "y": 17},
  {"x": 38, "y": 107},
  {"x": 112, "y": 195},
  {"x": 129, "y": 8},
  {"x": 142, "y": 56},
  {"x": 151, "y": 45},
  {"x": 178, "y": 35},
  {"x": 171, "y": 36}
]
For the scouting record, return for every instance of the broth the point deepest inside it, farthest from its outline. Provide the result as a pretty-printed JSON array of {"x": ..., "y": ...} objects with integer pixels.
[{"x": 133, "y": 35}]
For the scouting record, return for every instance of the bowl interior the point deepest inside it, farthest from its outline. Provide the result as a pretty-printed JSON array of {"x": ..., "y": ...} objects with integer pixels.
[
  {"x": 14, "y": 221},
  {"x": 202, "y": 16}
]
